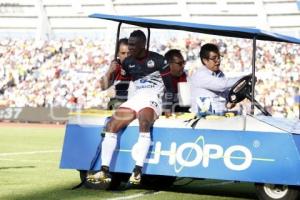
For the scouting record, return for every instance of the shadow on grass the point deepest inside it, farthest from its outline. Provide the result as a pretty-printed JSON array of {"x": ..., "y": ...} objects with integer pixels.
[
  {"x": 63, "y": 191},
  {"x": 217, "y": 188},
  {"x": 213, "y": 187},
  {"x": 17, "y": 167}
]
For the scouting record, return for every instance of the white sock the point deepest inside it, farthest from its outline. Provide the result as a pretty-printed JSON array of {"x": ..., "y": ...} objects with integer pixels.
[
  {"x": 109, "y": 144},
  {"x": 143, "y": 145}
]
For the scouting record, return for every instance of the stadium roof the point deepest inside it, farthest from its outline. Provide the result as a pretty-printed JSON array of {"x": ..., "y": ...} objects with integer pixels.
[{"x": 229, "y": 31}]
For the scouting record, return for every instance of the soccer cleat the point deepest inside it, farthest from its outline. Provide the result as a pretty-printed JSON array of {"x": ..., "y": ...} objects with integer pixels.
[
  {"x": 136, "y": 176},
  {"x": 102, "y": 176}
]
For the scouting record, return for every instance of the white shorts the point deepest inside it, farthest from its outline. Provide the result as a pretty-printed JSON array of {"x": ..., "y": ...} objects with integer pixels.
[{"x": 144, "y": 99}]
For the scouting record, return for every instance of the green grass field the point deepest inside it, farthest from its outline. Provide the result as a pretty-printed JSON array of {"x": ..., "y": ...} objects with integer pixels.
[{"x": 29, "y": 169}]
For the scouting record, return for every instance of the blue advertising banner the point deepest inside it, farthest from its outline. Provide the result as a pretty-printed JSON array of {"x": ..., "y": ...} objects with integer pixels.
[{"x": 252, "y": 156}]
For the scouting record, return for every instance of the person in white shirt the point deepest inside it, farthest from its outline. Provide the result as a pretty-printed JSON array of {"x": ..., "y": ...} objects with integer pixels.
[{"x": 209, "y": 85}]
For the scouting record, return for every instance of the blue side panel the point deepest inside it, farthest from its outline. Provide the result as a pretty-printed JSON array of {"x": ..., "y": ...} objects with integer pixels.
[
  {"x": 80, "y": 146},
  {"x": 296, "y": 138},
  {"x": 185, "y": 152}
]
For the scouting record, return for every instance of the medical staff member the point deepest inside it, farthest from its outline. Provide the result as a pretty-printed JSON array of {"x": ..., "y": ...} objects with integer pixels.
[
  {"x": 176, "y": 62},
  {"x": 113, "y": 76},
  {"x": 209, "y": 85}
]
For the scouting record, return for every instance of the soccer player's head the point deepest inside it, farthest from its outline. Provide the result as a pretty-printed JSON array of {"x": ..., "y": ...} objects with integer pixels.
[{"x": 137, "y": 43}]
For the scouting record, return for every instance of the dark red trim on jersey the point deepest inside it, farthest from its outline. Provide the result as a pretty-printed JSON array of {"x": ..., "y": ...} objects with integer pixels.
[
  {"x": 165, "y": 73},
  {"x": 118, "y": 76},
  {"x": 176, "y": 80}
]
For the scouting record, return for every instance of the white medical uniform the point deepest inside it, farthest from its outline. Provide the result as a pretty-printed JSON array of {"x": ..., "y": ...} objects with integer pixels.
[{"x": 209, "y": 91}]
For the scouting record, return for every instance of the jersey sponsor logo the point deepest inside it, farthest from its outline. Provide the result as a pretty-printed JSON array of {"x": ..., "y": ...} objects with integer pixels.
[
  {"x": 143, "y": 80},
  {"x": 150, "y": 64},
  {"x": 154, "y": 104},
  {"x": 151, "y": 81},
  {"x": 131, "y": 66},
  {"x": 144, "y": 86}
]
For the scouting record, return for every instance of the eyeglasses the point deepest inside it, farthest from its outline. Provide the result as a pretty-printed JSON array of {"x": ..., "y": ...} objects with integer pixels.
[
  {"x": 215, "y": 58},
  {"x": 179, "y": 63}
]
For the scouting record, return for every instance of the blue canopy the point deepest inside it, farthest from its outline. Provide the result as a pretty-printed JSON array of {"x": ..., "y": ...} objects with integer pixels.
[{"x": 229, "y": 31}]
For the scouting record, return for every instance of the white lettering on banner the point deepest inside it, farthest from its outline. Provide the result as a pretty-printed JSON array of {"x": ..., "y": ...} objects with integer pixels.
[
  {"x": 185, "y": 162},
  {"x": 207, "y": 153},
  {"x": 228, "y": 156},
  {"x": 204, "y": 154}
]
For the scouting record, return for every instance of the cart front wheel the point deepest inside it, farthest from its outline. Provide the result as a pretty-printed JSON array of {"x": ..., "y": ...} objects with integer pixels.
[{"x": 276, "y": 192}]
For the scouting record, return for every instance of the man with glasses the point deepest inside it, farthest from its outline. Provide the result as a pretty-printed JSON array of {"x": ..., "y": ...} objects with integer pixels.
[
  {"x": 176, "y": 63},
  {"x": 209, "y": 85}
]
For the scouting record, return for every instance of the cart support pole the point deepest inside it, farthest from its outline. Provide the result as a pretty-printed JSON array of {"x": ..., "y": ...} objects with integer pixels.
[
  {"x": 148, "y": 39},
  {"x": 117, "y": 41},
  {"x": 253, "y": 75}
]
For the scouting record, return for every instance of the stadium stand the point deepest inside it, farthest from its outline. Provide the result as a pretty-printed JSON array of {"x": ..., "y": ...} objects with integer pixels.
[{"x": 45, "y": 18}]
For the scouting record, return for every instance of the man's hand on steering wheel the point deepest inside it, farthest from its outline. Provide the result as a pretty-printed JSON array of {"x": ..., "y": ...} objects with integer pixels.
[
  {"x": 240, "y": 90},
  {"x": 229, "y": 105}
]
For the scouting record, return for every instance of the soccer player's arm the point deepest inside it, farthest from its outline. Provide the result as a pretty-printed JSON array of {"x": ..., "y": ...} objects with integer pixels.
[{"x": 107, "y": 80}]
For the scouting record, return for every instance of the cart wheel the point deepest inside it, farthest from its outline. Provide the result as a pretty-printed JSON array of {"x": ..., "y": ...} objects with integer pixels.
[
  {"x": 157, "y": 181},
  {"x": 113, "y": 185},
  {"x": 278, "y": 192}
]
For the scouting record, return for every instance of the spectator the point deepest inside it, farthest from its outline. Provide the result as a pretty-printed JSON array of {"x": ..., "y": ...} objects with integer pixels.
[{"x": 82, "y": 61}]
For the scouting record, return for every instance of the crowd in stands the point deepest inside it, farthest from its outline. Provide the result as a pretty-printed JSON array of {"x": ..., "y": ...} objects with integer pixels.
[{"x": 66, "y": 72}]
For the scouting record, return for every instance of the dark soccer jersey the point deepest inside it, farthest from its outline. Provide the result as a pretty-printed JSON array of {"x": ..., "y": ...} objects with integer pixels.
[
  {"x": 122, "y": 84},
  {"x": 144, "y": 73},
  {"x": 137, "y": 69}
]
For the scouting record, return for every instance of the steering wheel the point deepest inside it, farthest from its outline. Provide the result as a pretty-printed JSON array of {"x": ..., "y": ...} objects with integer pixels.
[{"x": 240, "y": 90}]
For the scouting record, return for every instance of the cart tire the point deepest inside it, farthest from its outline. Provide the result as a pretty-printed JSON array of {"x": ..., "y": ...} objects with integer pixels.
[
  {"x": 276, "y": 192},
  {"x": 113, "y": 185},
  {"x": 157, "y": 181}
]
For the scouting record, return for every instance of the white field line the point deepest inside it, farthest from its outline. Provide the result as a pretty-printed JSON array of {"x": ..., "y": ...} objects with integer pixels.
[
  {"x": 26, "y": 160},
  {"x": 134, "y": 196},
  {"x": 29, "y": 153}
]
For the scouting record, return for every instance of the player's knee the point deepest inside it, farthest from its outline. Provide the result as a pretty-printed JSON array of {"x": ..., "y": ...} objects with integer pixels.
[
  {"x": 112, "y": 126},
  {"x": 145, "y": 125}
]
